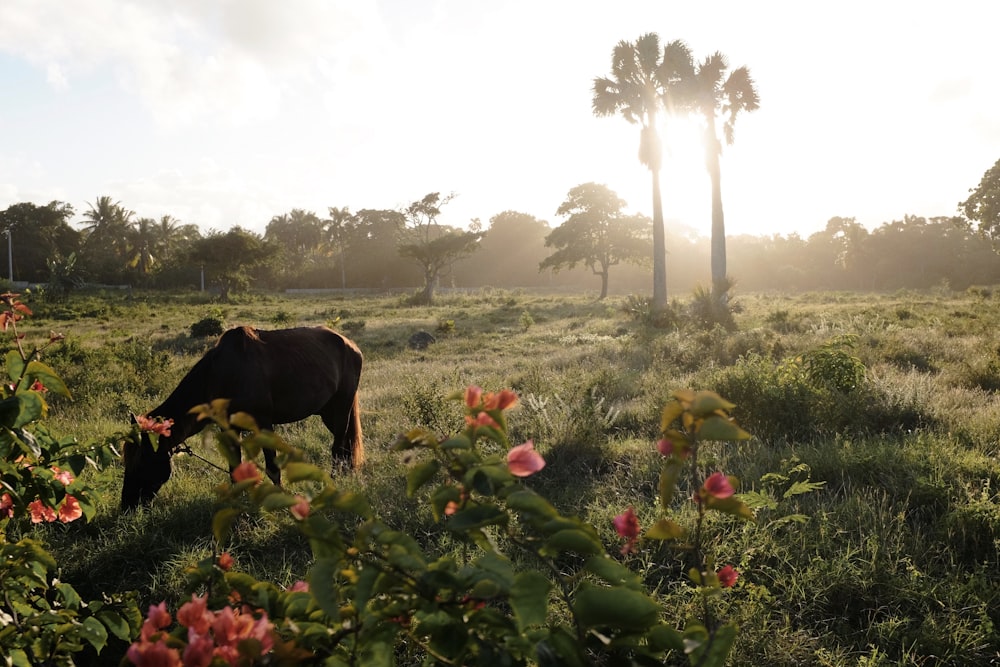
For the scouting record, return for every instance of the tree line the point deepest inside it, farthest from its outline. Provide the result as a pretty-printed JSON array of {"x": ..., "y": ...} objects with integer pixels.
[{"x": 597, "y": 247}]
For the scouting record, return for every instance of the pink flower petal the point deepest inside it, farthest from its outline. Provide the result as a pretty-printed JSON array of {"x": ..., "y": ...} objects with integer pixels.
[{"x": 523, "y": 460}]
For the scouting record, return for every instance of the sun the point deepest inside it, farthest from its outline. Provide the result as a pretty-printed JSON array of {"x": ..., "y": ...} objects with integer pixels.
[{"x": 684, "y": 181}]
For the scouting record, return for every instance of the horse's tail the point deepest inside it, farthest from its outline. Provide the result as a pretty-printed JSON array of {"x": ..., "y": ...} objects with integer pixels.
[{"x": 354, "y": 436}]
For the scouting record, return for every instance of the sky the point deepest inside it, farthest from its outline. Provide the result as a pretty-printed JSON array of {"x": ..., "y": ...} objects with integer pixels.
[{"x": 231, "y": 112}]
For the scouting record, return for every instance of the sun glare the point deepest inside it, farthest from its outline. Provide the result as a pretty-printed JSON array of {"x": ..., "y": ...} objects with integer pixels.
[{"x": 684, "y": 181}]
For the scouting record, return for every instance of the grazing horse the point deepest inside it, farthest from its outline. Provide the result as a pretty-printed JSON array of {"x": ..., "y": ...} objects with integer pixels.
[{"x": 277, "y": 377}]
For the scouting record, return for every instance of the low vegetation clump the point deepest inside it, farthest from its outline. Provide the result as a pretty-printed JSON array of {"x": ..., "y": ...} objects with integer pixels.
[{"x": 863, "y": 530}]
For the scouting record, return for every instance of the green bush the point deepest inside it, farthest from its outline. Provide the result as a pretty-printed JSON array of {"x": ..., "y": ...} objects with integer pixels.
[{"x": 209, "y": 326}]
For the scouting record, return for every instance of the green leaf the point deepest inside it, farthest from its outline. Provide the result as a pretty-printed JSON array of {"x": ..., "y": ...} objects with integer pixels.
[
  {"x": 719, "y": 428},
  {"x": 713, "y": 650},
  {"x": 323, "y": 586},
  {"x": 618, "y": 607},
  {"x": 277, "y": 501},
  {"x": 669, "y": 474},
  {"x": 758, "y": 500},
  {"x": 420, "y": 474},
  {"x": 613, "y": 572},
  {"x": 663, "y": 637},
  {"x": 529, "y": 502},
  {"x": 36, "y": 370},
  {"x": 297, "y": 471},
  {"x": 457, "y": 442},
  {"x": 15, "y": 365},
  {"x": 706, "y": 403},
  {"x": 665, "y": 529},
  {"x": 671, "y": 411},
  {"x": 222, "y": 523},
  {"x": 70, "y": 598},
  {"x": 529, "y": 599},
  {"x": 114, "y": 622},
  {"x": 572, "y": 539},
  {"x": 731, "y": 505},
  {"x": 798, "y": 488},
  {"x": 93, "y": 631},
  {"x": 476, "y": 516},
  {"x": 22, "y": 408}
]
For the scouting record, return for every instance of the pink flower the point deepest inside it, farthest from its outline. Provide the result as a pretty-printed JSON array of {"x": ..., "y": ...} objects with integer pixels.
[
  {"x": 154, "y": 424},
  {"x": 70, "y": 510},
  {"x": 300, "y": 586},
  {"x": 300, "y": 510},
  {"x": 718, "y": 486},
  {"x": 225, "y": 561},
  {"x": 450, "y": 508},
  {"x": 523, "y": 460},
  {"x": 472, "y": 396},
  {"x": 195, "y": 616},
  {"x": 481, "y": 419},
  {"x": 627, "y": 526},
  {"x": 64, "y": 476},
  {"x": 200, "y": 649},
  {"x": 727, "y": 576},
  {"x": 505, "y": 399},
  {"x": 153, "y": 654},
  {"x": 230, "y": 628},
  {"x": 6, "y": 506},
  {"x": 668, "y": 448},
  {"x": 38, "y": 386},
  {"x": 245, "y": 471},
  {"x": 40, "y": 512}
]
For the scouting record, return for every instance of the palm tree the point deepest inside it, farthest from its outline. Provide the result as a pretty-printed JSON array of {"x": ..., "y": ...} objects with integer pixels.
[
  {"x": 639, "y": 72},
  {"x": 108, "y": 226},
  {"x": 142, "y": 245},
  {"x": 335, "y": 230},
  {"x": 716, "y": 97}
]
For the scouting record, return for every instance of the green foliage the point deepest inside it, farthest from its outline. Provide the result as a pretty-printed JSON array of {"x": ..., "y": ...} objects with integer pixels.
[
  {"x": 206, "y": 327},
  {"x": 43, "y": 621},
  {"x": 983, "y": 204}
]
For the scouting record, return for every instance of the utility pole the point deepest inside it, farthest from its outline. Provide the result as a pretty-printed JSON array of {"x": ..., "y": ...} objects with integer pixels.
[{"x": 10, "y": 255}]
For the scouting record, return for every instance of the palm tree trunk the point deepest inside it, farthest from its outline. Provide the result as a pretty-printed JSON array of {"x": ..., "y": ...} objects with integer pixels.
[
  {"x": 718, "y": 228},
  {"x": 659, "y": 304}
]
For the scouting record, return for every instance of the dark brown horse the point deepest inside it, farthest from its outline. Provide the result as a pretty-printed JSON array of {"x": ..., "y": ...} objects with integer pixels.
[{"x": 275, "y": 376}]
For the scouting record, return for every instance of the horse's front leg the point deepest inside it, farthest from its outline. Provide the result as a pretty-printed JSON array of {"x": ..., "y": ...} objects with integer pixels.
[{"x": 270, "y": 465}]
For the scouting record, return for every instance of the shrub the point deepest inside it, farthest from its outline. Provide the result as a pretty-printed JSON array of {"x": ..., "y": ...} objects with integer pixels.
[{"x": 209, "y": 326}]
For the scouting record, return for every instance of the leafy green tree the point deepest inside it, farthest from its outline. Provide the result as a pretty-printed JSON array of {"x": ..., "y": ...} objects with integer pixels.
[
  {"x": 37, "y": 233},
  {"x": 641, "y": 74},
  {"x": 719, "y": 99},
  {"x": 983, "y": 204},
  {"x": 596, "y": 233},
  {"x": 434, "y": 247},
  {"x": 235, "y": 259}
]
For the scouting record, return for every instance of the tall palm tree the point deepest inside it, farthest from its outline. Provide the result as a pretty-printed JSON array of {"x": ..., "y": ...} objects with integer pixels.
[
  {"x": 335, "y": 230},
  {"x": 634, "y": 89},
  {"x": 108, "y": 225},
  {"x": 719, "y": 99},
  {"x": 142, "y": 238}
]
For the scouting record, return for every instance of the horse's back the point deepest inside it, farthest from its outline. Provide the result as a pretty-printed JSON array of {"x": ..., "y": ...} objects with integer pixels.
[{"x": 289, "y": 372}]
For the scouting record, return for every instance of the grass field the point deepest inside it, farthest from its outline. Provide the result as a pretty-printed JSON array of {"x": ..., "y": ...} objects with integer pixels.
[{"x": 889, "y": 400}]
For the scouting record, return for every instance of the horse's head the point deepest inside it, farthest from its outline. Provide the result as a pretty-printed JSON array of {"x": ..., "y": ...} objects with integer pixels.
[{"x": 146, "y": 470}]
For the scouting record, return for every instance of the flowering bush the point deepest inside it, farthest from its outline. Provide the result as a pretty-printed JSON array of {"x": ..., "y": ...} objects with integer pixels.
[
  {"x": 532, "y": 585},
  {"x": 42, "y": 620}
]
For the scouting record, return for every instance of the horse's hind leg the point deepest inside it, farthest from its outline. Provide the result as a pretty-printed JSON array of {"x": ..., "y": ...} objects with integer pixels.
[{"x": 337, "y": 416}]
